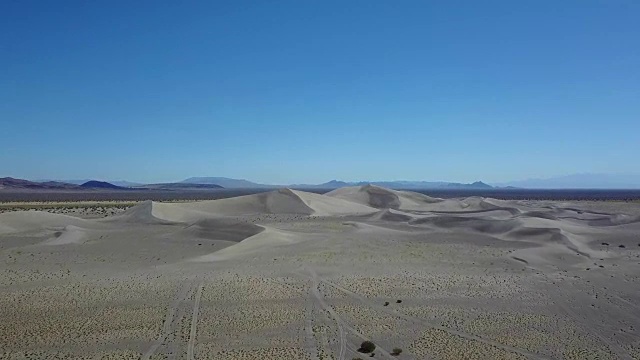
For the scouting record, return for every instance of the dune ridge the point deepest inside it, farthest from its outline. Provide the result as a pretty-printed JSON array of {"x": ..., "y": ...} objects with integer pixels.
[{"x": 219, "y": 219}]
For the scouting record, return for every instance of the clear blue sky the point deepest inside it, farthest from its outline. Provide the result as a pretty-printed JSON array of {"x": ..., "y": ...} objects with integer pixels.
[{"x": 307, "y": 91}]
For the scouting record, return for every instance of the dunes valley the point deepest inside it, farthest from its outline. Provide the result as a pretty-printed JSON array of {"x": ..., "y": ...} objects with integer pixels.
[{"x": 289, "y": 274}]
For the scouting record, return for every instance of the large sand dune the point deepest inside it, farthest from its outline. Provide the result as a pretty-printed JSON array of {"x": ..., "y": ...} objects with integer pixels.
[
  {"x": 294, "y": 275},
  {"x": 279, "y": 202}
]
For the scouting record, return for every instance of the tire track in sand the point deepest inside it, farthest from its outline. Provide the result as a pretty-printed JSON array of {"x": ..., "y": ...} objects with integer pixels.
[
  {"x": 309, "y": 338},
  {"x": 194, "y": 323},
  {"x": 169, "y": 321},
  {"x": 316, "y": 293},
  {"x": 342, "y": 325}
]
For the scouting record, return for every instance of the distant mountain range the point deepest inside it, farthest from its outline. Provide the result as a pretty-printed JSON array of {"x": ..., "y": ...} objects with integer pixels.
[
  {"x": 580, "y": 181},
  {"x": 406, "y": 185},
  {"x": 230, "y": 183},
  {"x": 576, "y": 181},
  {"x": 121, "y": 183},
  {"x": 11, "y": 183},
  {"x": 201, "y": 183}
]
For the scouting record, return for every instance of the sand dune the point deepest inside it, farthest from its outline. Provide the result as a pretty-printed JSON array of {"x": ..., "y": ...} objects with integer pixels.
[
  {"x": 283, "y": 201},
  {"x": 382, "y": 198},
  {"x": 391, "y": 215},
  {"x": 279, "y": 202},
  {"x": 219, "y": 229},
  {"x": 253, "y": 245},
  {"x": 484, "y": 225},
  {"x": 30, "y": 221},
  {"x": 158, "y": 212},
  {"x": 290, "y": 274},
  {"x": 69, "y": 235}
]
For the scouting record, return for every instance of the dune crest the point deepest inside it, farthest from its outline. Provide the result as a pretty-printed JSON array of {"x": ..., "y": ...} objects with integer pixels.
[
  {"x": 29, "y": 221},
  {"x": 278, "y": 202},
  {"x": 253, "y": 245},
  {"x": 383, "y": 198}
]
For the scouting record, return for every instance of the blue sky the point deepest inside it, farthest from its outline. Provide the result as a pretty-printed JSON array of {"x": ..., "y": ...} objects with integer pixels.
[{"x": 308, "y": 91}]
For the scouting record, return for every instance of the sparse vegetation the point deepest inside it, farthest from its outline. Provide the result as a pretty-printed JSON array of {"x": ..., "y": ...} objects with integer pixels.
[
  {"x": 386, "y": 303},
  {"x": 367, "y": 347},
  {"x": 396, "y": 351}
]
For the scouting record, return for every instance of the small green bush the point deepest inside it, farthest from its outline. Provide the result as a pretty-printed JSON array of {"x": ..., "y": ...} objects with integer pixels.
[
  {"x": 396, "y": 351},
  {"x": 367, "y": 347}
]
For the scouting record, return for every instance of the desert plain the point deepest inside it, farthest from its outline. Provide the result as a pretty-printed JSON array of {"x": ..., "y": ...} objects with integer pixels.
[{"x": 289, "y": 274}]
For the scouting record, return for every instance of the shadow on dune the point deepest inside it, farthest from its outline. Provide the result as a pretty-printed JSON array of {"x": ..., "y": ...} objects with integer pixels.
[
  {"x": 489, "y": 226},
  {"x": 219, "y": 229}
]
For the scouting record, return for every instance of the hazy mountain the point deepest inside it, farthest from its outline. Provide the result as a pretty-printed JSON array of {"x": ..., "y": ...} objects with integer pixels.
[
  {"x": 180, "y": 186},
  {"x": 333, "y": 184},
  {"x": 402, "y": 184},
  {"x": 12, "y": 183},
  {"x": 226, "y": 183},
  {"x": 581, "y": 181},
  {"x": 475, "y": 185},
  {"x": 125, "y": 183},
  {"x": 407, "y": 185}
]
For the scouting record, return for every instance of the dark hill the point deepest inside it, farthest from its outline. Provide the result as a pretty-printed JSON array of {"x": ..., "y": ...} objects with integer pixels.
[
  {"x": 93, "y": 184},
  {"x": 475, "y": 185}
]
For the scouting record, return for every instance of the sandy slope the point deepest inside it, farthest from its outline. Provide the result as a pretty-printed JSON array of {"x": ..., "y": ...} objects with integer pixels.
[
  {"x": 295, "y": 275},
  {"x": 27, "y": 221}
]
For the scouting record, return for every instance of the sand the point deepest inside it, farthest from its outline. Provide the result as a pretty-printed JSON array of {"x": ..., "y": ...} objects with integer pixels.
[{"x": 295, "y": 275}]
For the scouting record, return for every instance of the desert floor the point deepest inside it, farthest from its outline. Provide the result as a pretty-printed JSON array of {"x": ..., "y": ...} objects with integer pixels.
[{"x": 295, "y": 275}]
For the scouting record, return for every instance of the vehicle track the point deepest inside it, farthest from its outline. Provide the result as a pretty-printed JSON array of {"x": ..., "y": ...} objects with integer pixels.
[
  {"x": 310, "y": 345},
  {"x": 342, "y": 325},
  {"x": 343, "y": 337},
  {"x": 170, "y": 320},
  {"x": 194, "y": 323},
  {"x": 310, "y": 339}
]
